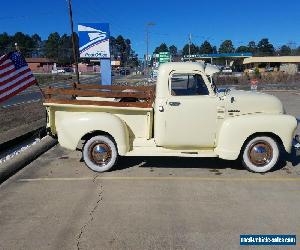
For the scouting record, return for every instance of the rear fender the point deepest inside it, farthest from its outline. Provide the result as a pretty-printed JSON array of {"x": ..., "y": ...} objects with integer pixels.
[{"x": 72, "y": 126}]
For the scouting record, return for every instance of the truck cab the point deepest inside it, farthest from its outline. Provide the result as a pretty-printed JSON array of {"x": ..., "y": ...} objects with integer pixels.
[{"x": 186, "y": 105}]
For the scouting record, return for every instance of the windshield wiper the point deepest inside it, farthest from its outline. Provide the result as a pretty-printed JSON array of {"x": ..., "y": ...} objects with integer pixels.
[{"x": 227, "y": 91}]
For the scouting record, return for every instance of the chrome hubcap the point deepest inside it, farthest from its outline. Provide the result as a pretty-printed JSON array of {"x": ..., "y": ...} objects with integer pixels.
[
  {"x": 100, "y": 153},
  {"x": 260, "y": 153}
]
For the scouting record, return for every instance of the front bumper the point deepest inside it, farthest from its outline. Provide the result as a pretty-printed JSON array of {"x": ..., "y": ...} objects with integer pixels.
[{"x": 296, "y": 145}]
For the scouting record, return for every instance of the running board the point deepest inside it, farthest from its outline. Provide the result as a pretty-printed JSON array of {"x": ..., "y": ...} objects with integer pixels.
[{"x": 158, "y": 151}]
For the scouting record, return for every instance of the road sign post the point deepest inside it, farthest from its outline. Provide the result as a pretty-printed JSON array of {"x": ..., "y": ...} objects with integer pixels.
[
  {"x": 94, "y": 43},
  {"x": 105, "y": 71}
]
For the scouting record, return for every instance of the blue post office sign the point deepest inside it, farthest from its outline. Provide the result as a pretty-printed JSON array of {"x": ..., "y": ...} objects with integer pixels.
[{"x": 94, "y": 40}]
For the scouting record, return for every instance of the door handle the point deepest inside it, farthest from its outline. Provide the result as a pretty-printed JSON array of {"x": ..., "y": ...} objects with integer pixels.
[{"x": 174, "y": 103}]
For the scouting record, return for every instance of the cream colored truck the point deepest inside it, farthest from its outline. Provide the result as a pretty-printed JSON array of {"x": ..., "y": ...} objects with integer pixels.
[{"x": 187, "y": 117}]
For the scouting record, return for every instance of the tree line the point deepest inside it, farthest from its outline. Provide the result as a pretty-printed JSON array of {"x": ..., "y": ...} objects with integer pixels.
[
  {"x": 59, "y": 47},
  {"x": 262, "y": 48}
]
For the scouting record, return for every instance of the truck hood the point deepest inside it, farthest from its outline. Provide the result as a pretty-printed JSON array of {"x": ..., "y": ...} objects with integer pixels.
[{"x": 238, "y": 102}]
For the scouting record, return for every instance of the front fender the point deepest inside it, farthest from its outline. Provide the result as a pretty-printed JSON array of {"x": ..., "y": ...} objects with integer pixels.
[
  {"x": 72, "y": 126},
  {"x": 235, "y": 131}
]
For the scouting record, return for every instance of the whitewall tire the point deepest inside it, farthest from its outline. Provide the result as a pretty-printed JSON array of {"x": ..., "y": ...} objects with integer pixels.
[
  {"x": 100, "y": 153},
  {"x": 260, "y": 154}
]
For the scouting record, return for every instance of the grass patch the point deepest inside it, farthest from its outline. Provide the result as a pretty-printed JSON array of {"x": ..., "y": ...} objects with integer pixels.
[{"x": 46, "y": 79}]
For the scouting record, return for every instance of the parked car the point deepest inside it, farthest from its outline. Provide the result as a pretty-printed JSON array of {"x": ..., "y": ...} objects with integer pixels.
[
  {"x": 187, "y": 117},
  {"x": 124, "y": 71},
  {"x": 269, "y": 69},
  {"x": 227, "y": 70},
  {"x": 69, "y": 70},
  {"x": 252, "y": 70},
  {"x": 58, "y": 71},
  {"x": 154, "y": 73}
]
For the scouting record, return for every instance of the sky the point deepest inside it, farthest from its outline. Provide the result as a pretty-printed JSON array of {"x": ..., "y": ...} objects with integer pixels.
[{"x": 215, "y": 21}]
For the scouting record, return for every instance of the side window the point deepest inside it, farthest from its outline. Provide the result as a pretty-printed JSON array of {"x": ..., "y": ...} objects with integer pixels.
[{"x": 188, "y": 84}]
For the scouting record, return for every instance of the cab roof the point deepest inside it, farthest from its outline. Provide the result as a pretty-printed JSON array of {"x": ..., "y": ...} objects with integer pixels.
[{"x": 207, "y": 69}]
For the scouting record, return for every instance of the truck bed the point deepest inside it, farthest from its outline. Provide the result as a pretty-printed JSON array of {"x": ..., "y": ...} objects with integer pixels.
[
  {"x": 133, "y": 105},
  {"x": 100, "y": 95}
]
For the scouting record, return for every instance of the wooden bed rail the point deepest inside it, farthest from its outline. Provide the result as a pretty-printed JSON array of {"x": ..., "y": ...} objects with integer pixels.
[
  {"x": 126, "y": 96},
  {"x": 114, "y": 87},
  {"x": 91, "y": 93}
]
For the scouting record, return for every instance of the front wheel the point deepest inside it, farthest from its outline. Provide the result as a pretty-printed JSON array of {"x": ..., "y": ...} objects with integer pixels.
[
  {"x": 100, "y": 153},
  {"x": 260, "y": 154}
]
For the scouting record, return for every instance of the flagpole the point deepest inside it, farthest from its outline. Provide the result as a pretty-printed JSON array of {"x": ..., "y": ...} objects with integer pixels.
[
  {"x": 42, "y": 92},
  {"x": 73, "y": 41}
]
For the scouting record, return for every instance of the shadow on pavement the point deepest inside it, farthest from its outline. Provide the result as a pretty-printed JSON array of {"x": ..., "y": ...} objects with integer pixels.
[
  {"x": 177, "y": 162},
  {"x": 204, "y": 163},
  {"x": 293, "y": 158}
]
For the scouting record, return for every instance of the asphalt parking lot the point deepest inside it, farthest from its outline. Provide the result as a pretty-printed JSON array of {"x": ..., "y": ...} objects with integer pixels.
[{"x": 148, "y": 203}]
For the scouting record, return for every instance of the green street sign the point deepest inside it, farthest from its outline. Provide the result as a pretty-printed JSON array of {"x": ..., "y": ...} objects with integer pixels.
[
  {"x": 164, "y": 57},
  {"x": 164, "y": 60}
]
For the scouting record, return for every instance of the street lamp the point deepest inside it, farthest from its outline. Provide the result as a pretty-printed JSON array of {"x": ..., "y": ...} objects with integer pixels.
[
  {"x": 147, "y": 50},
  {"x": 190, "y": 43}
]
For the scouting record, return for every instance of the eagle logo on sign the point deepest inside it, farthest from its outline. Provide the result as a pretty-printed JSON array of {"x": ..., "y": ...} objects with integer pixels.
[{"x": 92, "y": 33}]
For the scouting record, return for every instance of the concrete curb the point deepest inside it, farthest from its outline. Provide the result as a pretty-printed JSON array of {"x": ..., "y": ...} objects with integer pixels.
[{"x": 10, "y": 167}]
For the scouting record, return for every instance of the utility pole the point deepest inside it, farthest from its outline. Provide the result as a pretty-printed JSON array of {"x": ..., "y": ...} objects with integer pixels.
[
  {"x": 190, "y": 42},
  {"x": 147, "y": 49},
  {"x": 73, "y": 41}
]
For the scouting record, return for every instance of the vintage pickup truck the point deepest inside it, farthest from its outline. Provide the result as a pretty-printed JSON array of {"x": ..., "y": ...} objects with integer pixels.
[{"x": 184, "y": 115}]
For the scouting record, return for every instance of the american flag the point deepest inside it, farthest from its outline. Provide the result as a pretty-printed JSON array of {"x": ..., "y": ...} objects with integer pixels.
[{"x": 15, "y": 75}]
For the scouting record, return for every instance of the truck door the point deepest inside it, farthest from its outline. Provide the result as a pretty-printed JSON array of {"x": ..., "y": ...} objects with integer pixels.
[{"x": 188, "y": 117}]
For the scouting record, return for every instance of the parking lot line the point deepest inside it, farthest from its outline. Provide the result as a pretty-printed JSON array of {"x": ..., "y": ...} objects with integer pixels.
[
  {"x": 166, "y": 178},
  {"x": 281, "y": 90}
]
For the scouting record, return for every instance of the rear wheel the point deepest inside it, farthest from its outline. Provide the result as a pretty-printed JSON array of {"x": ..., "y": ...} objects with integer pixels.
[
  {"x": 260, "y": 154},
  {"x": 100, "y": 153}
]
